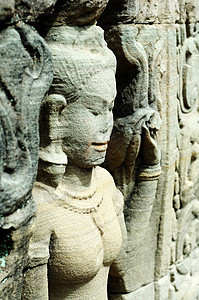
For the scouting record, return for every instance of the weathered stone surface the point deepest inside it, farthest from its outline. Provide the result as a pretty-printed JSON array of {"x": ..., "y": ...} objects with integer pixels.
[
  {"x": 162, "y": 288},
  {"x": 86, "y": 12},
  {"x": 26, "y": 72},
  {"x": 74, "y": 78},
  {"x": 186, "y": 184},
  {"x": 31, "y": 10},
  {"x": 189, "y": 11},
  {"x": 76, "y": 13},
  {"x": 77, "y": 224},
  {"x": 25, "y": 76},
  {"x": 149, "y": 12},
  {"x": 185, "y": 201},
  {"x": 61, "y": 12},
  {"x": 143, "y": 59},
  {"x": 155, "y": 124},
  {"x": 6, "y": 10},
  {"x": 145, "y": 292},
  {"x": 136, "y": 104},
  {"x": 141, "y": 12},
  {"x": 183, "y": 283}
]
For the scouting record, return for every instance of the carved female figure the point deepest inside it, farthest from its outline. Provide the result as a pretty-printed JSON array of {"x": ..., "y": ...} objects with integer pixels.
[{"x": 77, "y": 233}]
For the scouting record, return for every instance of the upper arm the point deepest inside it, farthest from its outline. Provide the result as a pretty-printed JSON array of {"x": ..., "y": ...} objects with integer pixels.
[{"x": 35, "y": 281}]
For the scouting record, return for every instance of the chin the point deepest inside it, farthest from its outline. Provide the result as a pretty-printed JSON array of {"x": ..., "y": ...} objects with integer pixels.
[{"x": 93, "y": 163}]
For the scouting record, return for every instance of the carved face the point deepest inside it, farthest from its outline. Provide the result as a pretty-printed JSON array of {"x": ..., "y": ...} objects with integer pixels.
[{"x": 86, "y": 124}]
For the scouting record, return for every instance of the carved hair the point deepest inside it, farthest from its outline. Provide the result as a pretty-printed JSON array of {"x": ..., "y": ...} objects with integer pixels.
[{"x": 78, "y": 55}]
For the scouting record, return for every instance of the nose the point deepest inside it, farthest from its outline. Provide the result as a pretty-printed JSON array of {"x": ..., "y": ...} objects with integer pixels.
[{"x": 107, "y": 125}]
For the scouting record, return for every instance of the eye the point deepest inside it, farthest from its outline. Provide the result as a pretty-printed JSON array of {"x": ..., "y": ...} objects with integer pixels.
[
  {"x": 111, "y": 107},
  {"x": 95, "y": 113}
]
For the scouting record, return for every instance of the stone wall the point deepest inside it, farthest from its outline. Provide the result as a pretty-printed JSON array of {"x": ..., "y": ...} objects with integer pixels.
[
  {"x": 156, "y": 45},
  {"x": 25, "y": 77},
  {"x": 153, "y": 152}
]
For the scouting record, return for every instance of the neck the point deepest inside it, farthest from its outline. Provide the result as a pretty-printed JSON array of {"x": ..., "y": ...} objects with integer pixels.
[{"x": 77, "y": 179}]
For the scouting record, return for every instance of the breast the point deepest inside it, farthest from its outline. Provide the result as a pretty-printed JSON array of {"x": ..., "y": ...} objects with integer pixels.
[
  {"x": 81, "y": 244},
  {"x": 111, "y": 237},
  {"x": 76, "y": 248}
]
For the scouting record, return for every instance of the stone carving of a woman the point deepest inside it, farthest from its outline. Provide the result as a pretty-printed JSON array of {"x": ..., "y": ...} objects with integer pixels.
[{"x": 77, "y": 231}]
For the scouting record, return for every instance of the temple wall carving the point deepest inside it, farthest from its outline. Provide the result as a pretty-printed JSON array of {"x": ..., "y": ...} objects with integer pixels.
[{"x": 99, "y": 154}]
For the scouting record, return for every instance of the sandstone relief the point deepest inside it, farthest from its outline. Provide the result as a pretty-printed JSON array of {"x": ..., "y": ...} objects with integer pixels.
[
  {"x": 26, "y": 74},
  {"x": 77, "y": 234},
  {"x": 185, "y": 200},
  {"x": 135, "y": 168},
  {"x": 113, "y": 143}
]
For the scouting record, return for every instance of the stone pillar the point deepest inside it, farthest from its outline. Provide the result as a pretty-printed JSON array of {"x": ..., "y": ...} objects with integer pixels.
[
  {"x": 157, "y": 54},
  {"x": 25, "y": 77}
]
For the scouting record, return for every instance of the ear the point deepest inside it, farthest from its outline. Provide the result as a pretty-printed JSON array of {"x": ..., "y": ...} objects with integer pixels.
[
  {"x": 50, "y": 139},
  {"x": 55, "y": 102}
]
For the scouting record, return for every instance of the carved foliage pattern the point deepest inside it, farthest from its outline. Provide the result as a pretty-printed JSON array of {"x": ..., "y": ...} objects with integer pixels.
[{"x": 185, "y": 200}]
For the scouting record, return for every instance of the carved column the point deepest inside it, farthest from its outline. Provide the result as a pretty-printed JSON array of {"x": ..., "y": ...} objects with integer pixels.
[
  {"x": 152, "y": 73},
  {"x": 25, "y": 76}
]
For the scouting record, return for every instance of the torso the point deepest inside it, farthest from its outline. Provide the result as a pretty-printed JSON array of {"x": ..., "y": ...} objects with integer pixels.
[{"x": 83, "y": 242}]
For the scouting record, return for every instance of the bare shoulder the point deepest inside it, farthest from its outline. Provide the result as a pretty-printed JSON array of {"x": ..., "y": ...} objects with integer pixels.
[
  {"x": 108, "y": 186},
  {"x": 103, "y": 175},
  {"x": 42, "y": 193}
]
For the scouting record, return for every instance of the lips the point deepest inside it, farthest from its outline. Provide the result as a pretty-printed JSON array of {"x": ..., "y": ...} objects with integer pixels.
[{"x": 100, "y": 146}]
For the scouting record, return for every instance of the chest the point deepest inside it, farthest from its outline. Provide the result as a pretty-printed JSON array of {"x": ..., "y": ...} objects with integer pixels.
[{"x": 82, "y": 243}]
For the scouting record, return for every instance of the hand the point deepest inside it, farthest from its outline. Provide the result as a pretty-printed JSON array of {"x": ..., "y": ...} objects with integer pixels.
[{"x": 150, "y": 152}]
